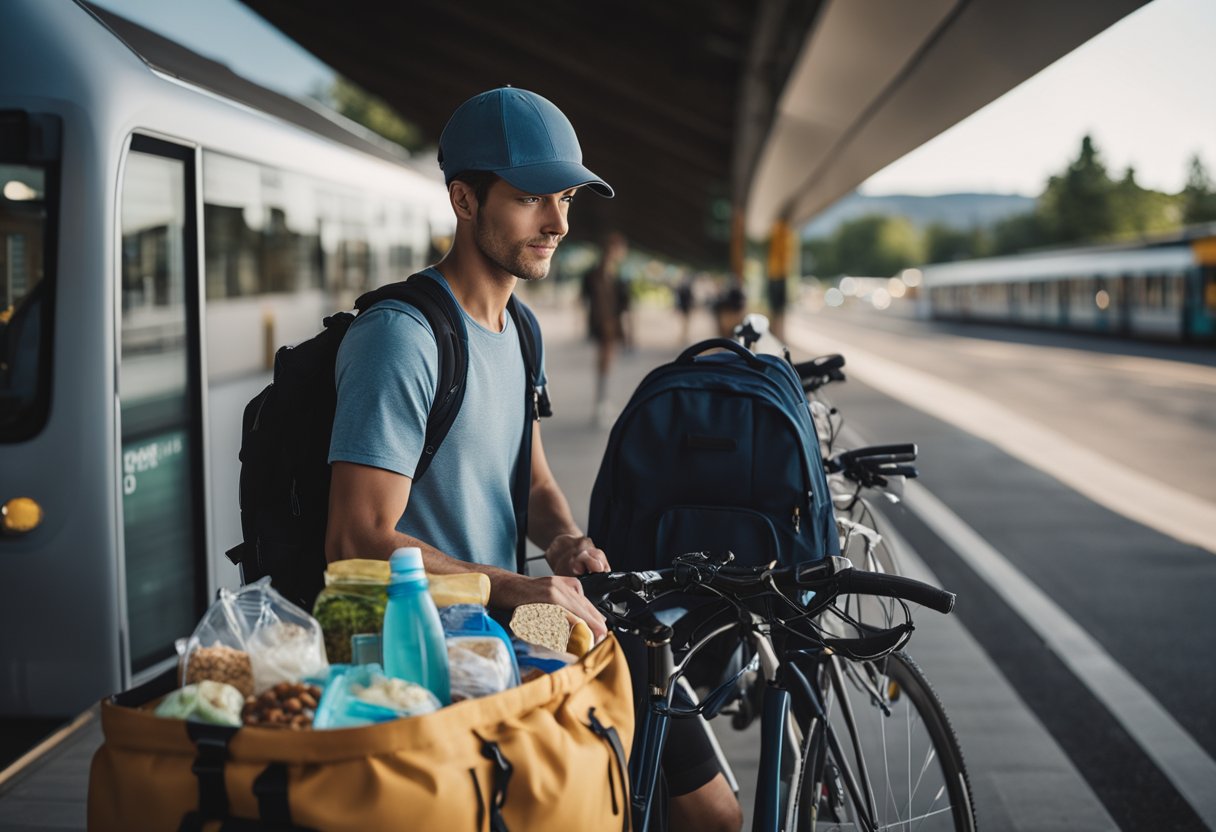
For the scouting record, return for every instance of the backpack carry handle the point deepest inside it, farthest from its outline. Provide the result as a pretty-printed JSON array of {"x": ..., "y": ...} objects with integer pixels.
[{"x": 690, "y": 354}]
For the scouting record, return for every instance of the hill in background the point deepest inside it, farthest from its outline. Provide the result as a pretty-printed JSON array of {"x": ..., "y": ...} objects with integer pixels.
[{"x": 962, "y": 211}]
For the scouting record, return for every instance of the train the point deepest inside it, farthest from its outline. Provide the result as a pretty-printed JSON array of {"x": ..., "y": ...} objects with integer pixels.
[
  {"x": 164, "y": 225},
  {"x": 1161, "y": 289}
]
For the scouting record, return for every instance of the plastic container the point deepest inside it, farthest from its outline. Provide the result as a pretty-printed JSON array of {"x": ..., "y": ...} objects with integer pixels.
[
  {"x": 341, "y": 706},
  {"x": 412, "y": 641}
]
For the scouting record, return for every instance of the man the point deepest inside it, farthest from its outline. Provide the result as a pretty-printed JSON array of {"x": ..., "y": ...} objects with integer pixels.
[
  {"x": 604, "y": 291},
  {"x": 513, "y": 164}
]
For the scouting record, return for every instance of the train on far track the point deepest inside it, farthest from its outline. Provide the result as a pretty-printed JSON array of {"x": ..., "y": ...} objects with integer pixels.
[{"x": 1160, "y": 289}]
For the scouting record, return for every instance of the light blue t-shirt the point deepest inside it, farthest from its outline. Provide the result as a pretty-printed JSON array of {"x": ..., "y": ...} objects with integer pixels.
[{"x": 386, "y": 373}]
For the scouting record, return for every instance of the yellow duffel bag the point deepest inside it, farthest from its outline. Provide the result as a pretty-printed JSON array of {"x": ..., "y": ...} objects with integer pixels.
[{"x": 546, "y": 755}]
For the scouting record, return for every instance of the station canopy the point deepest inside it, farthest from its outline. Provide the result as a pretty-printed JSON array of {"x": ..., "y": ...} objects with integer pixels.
[{"x": 695, "y": 109}]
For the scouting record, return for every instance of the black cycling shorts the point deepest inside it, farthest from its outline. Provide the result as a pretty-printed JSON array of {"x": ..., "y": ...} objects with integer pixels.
[{"x": 689, "y": 758}]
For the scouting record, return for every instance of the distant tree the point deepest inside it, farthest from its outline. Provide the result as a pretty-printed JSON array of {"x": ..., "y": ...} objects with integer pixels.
[
  {"x": 1077, "y": 204},
  {"x": 944, "y": 243},
  {"x": 1020, "y": 232},
  {"x": 870, "y": 245},
  {"x": 1140, "y": 211},
  {"x": 819, "y": 257},
  {"x": 1198, "y": 197},
  {"x": 373, "y": 113}
]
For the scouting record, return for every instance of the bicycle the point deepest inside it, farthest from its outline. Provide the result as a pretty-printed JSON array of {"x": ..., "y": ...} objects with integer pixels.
[{"x": 828, "y": 760}]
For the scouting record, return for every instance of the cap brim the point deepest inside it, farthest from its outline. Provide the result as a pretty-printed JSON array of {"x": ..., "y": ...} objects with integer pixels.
[{"x": 555, "y": 177}]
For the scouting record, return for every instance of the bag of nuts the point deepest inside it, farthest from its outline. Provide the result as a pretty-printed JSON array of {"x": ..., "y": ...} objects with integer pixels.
[
  {"x": 254, "y": 639},
  {"x": 286, "y": 705}
]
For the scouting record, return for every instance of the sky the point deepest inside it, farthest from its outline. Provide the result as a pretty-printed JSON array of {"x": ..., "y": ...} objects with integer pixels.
[{"x": 1145, "y": 89}]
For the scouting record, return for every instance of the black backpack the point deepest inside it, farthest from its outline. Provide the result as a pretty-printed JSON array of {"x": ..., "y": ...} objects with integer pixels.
[
  {"x": 714, "y": 452},
  {"x": 285, "y": 473}
]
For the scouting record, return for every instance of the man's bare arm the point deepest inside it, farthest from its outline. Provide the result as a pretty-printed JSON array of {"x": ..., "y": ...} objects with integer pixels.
[
  {"x": 551, "y": 525},
  {"x": 365, "y": 504}
]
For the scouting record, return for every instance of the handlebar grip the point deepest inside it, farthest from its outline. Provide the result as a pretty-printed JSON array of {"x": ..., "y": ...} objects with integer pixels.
[
  {"x": 599, "y": 585},
  {"x": 906, "y": 450},
  {"x": 854, "y": 582}
]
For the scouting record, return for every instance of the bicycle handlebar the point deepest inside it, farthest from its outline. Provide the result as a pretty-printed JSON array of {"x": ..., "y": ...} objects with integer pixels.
[
  {"x": 828, "y": 578},
  {"x": 819, "y": 371},
  {"x": 854, "y": 582}
]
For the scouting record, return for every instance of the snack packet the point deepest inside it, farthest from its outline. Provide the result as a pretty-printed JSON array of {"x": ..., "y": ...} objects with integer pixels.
[
  {"x": 535, "y": 660},
  {"x": 213, "y": 702},
  {"x": 472, "y": 620},
  {"x": 480, "y": 666}
]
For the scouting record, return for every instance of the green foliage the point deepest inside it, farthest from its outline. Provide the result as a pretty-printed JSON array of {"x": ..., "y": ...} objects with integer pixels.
[
  {"x": 1077, "y": 204},
  {"x": 1138, "y": 211},
  {"x": 374, "y": 114},
  {"x": 1080, "y": 205},
  {"x": 1198, "y": 197},
  {"x": 1018, "y": 233},
  {"x": 870, "y": 245},
  {"x": 944, "y": 243}
]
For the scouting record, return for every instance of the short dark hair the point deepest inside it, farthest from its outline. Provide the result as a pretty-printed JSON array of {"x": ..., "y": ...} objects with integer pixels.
[{"x": 479, "y": 180}]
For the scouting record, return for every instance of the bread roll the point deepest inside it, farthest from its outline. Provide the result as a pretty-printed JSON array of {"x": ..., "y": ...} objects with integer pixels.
[{"x": 545, "y": 624}]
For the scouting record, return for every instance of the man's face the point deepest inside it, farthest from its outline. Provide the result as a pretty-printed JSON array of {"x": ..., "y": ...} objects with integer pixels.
[{"x": 518, "y": 231}]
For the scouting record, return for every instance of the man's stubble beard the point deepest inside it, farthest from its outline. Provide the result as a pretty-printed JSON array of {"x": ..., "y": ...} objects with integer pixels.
[{"x": 507, "y": 257}]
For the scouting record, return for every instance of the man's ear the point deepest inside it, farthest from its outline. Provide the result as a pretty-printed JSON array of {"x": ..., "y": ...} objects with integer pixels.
[{"x": 464, "y": 201}]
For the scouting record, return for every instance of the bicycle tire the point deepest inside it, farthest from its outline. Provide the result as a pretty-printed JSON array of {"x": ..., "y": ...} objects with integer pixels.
[{"x": 915, "y": 705}]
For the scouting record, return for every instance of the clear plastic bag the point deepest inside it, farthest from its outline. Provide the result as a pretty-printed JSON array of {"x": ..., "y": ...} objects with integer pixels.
[
  {"x": 363, "y": 695},
  {"x": 253, "y": 639},
  {"x": 480, "y": 665}
]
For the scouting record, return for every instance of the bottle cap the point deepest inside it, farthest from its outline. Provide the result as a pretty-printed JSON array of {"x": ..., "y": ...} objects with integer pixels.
[{"x": 406, "y": 565}]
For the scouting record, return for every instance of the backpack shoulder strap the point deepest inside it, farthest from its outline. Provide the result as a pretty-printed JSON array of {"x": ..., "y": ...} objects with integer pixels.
[
  {"x": 447, "y": 323},
  {"x": 533, "y": 348}
]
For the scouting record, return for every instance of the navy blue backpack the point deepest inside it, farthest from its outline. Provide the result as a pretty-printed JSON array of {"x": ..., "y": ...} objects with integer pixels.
[{"x": 714, "y": 452}]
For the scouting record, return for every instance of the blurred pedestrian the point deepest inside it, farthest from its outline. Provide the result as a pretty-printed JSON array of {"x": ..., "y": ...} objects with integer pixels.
[
  {"x": 605, "y": 294},
  {"x": 683, "y": 300}
]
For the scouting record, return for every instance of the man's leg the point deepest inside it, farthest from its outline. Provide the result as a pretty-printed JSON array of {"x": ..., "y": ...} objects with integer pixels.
[{"x": 710, "y": 808}]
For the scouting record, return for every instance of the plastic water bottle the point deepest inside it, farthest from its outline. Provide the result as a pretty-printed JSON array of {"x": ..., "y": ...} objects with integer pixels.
[{"x": 413, "y": 643}]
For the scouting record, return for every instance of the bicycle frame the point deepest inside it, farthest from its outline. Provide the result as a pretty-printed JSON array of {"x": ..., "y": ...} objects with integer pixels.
[
  {"x": 780, "y": 739},
  {"x": 644, "y": 767}
]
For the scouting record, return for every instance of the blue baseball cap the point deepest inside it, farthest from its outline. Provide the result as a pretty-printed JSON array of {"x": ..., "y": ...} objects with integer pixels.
[{"x": 520, "y": 136}]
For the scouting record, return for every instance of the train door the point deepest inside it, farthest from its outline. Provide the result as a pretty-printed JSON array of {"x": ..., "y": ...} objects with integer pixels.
[
  {"x": 1199, "y": 307},
  {"x": 164, "y": 565}
]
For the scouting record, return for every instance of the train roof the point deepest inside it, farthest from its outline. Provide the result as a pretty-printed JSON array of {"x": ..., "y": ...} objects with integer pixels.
[
  {"x": 173, "y": 59},
  {"x": 1169, "y": 253}
]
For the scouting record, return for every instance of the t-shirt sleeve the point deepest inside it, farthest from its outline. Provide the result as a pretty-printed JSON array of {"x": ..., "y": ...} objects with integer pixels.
[{"x": 386, "y": 373}]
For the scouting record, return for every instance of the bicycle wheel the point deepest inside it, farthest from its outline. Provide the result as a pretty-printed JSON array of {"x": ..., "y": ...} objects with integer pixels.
[{"x": 895, "y": 762}]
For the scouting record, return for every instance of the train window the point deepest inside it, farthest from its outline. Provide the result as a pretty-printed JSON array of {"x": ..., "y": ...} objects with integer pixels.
[
  {"x": 262, "y": 229},
  {"x": 29, "y": 191},
  {"x": 26, "y": 267},
  {"x": 158, "y": 391}
]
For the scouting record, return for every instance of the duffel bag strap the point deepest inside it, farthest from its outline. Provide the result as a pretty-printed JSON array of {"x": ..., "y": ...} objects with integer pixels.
[
  {"x": 610, "y": 735},
  {"x": 270, "y": 788},
  {"x": 212, "y": 744},
  {"x": 498, "y": 789}
]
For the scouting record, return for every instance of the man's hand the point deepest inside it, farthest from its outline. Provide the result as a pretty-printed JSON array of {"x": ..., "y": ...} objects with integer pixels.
[
  {"x": 511, "y": 591},
  {"x": 572, "y": 555}
]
